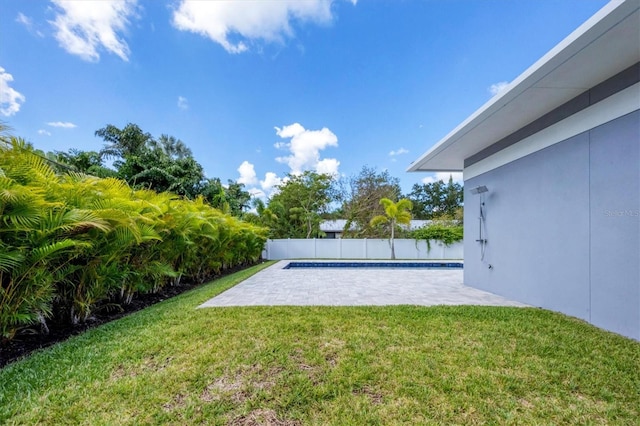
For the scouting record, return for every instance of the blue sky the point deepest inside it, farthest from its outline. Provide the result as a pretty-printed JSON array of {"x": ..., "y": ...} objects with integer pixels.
[{"x": 258, "y": 89}]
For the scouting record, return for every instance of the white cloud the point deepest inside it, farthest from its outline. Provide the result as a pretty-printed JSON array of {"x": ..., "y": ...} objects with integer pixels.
[
  {"x": 237, "y": 24},
  {"x": 84, "y": 27},
  {"x": 24, "y": 20},
  {"x": 44, "y": 132},
  {"x": 498, "y": 88},
  {"x": 62, "y": 124},
  {"x": 10, "y": 99},
  {"x": 444, "y": 176},
  {"x": 269, "y": 184},
  {"x": 328, "y": 166},
  {"x": 28, "y": 24},
  {"x": 256, "y": 193},
  {"x": 395, "y": 153},
  {"x": 247, "y": 174},
  {"x": 183, "y": 104},
  {"x": 398, "y": 152},
  {"x": 305, "y": 146},
  {"x": 271, "y": 180}
]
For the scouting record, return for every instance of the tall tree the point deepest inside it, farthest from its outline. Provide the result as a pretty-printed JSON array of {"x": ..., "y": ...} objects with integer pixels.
[
  {"x": 300, "y": 203},
  {"x": 87, "y": 162},
  {"x": 166, "y": 164},
  {"x": 394, "y": 214},
  {"x": 266, "y": 217},
  {"x": 213, "y": 193},
  {"x": 237, "y": 198},
  {"x": 361, "y": 200},
  {"x": 232, "y": 198},
  {"x": 436, "y": 200},
  {"x": 171, "y": 147},
  {"x": 128, "y": 141}
]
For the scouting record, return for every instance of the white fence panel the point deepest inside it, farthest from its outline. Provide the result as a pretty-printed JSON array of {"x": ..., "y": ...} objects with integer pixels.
[
  {"x": 454, "y": 251},
  {"x": 302, "y": 248},
  {"x": 359, "y": 249},
  {"x": 408, "y": 249},
  {"x": 276, "y": 249},
  {"x": 328, "y": 249},
  {"x": 378, "y": 249},
  {"x": 353, "y": 249}
]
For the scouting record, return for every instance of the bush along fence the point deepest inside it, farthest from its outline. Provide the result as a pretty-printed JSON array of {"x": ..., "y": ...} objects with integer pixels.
[
  {"x": 72, "y": 243},
  {"x": 348, "y": 248}
]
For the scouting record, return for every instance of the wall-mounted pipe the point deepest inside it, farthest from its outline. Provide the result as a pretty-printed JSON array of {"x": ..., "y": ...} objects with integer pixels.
[{"x": 481, "y": 190}]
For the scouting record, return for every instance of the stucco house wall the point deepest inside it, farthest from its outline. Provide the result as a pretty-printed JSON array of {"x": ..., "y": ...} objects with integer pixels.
[
  {"x": 559, "y": 152},
  {"x": 563, "y": 227}
]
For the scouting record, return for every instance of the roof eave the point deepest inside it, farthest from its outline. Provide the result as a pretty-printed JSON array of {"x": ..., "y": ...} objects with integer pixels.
[{"x": 593, "y": 28}]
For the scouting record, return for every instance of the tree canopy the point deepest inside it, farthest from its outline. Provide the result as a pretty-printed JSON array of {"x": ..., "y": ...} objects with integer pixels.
[
  {"x": 299, "y": 205},
  {"x": 361, "y": 200},
  {"x": 165, "y": 164},
  {"x": 436, "y": 200},
  {"x": 295, "y": 210}
]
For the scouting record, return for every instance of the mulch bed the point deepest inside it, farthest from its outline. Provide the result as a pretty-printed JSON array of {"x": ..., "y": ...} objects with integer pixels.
[{"x": 30, "y": 340}]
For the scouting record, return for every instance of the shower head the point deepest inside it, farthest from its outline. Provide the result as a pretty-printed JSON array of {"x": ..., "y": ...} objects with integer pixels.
[{"x": 479, "y": 190}]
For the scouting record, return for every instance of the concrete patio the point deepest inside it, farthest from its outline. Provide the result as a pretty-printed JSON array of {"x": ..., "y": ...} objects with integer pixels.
[{"x": 355, "y": 287}]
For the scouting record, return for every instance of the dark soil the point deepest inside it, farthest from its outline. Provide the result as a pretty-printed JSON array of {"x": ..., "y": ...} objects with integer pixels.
[{"x": 30, "y": 340}]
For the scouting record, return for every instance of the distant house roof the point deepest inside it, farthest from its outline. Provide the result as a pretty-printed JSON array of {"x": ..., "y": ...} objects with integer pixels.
[
  {"x": 339, "y": 224},
  {"x": 602, "y": 47},
  {"x": 335, "y": 225},
  {"x": 417, "y": 224}
]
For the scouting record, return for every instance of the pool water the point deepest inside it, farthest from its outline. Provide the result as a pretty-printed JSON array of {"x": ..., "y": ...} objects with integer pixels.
[{"x": 426, "y": 265}]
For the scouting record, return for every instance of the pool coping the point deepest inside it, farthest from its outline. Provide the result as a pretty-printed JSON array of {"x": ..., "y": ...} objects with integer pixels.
[
  {"x": 276, "y": 286},
  {"x": 367, "y": 263}
]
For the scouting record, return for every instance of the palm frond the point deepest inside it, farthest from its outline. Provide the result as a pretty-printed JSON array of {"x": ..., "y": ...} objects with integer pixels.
[
  {"x": 48, "y": 251},
  {"x": 379, "y": 220},
  {"x": 22, "y": 215},
  {"x": 10, "y": 260}
]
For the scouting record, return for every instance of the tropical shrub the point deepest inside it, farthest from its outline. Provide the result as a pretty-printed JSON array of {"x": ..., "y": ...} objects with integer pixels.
[
  {"x": 72, "y": 243},
  {"x": 439, "y": 232}
]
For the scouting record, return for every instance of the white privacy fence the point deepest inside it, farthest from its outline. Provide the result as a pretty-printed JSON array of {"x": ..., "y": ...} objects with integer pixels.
[{"x": 359, "y": 249}]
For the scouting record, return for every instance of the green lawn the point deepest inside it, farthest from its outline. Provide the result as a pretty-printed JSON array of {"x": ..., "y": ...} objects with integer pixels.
[{"x": 174, "y": 364}]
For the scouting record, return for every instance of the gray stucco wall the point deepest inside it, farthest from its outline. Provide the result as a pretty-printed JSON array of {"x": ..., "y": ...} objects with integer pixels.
[{"x": 563, "y": 227}]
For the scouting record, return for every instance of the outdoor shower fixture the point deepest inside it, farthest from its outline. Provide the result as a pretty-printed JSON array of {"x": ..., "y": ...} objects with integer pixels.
[
  {"x": 479, "y": 190},
  {"x": 482, "y": 231}
]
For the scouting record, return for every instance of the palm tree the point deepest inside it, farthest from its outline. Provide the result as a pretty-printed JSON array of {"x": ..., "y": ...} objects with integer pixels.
[
  {"x": 171, "y": 147},
  {"x": 395, "y": 214}
]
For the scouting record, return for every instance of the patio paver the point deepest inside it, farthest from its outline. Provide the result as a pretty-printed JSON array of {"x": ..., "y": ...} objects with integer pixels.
[{"x": 355, "y": 287}]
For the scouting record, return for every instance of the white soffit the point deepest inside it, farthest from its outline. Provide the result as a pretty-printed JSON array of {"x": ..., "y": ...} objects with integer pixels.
[
  {"x": 616, "y": 105},
  {"x": 609, "y": 42}
]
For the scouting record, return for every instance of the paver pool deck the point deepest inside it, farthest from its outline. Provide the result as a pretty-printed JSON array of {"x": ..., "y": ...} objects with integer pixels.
[{"x": 276, "y": 286}]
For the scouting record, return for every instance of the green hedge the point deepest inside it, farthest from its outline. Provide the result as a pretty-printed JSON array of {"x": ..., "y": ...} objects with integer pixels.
[
  {"x": 447, "y": 234},
  {"x": 70, "y": 243}
]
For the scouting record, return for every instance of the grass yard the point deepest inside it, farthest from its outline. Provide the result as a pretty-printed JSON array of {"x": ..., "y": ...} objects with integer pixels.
[{"x": 173, "y": 364}]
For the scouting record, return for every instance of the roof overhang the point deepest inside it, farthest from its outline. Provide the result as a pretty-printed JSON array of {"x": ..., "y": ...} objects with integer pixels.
[{"x": 603, "y": 46}]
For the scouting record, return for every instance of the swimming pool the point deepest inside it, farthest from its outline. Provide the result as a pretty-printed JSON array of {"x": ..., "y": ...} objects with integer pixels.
[{"x": 388, "y": 264}]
